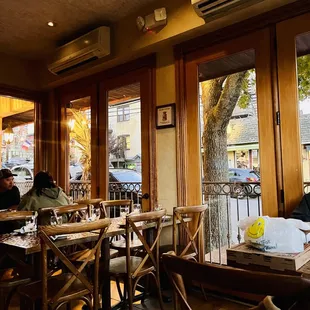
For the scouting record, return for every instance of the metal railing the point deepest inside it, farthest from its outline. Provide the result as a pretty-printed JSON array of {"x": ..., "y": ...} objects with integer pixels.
[
  {"x": 228, "y": 204},
  {"x": 117, "y": 190},
  {"x": 80, "y": 190},
  {"x": 306, "y": 187},
  {"x": 23, "y": 186}
]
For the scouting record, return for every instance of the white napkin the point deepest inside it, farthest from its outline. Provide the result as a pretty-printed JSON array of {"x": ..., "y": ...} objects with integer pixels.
[
  {"x": 92, "y": 218},
  {"x": 28, "y": 228}
]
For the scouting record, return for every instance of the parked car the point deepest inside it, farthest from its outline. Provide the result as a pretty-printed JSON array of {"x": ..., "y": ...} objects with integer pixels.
[
  {"x": 244, "y": 176},
  {"x": 123, "y": 184},
  {"x": 23, "y": 172},
  {"x": 17, "y": 161}
]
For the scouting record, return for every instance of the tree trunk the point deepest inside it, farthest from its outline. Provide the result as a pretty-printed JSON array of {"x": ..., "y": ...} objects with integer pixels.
[{"x": 219, "y": 98}]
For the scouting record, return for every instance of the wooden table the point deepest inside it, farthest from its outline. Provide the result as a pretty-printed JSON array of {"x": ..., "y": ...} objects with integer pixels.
[{"x": 30, "y": 244}]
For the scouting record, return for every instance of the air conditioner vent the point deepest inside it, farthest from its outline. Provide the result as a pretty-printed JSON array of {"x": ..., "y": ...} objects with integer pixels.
[
  {"x": 91, "y": 46},
  {"x": 210, "y": 9}
]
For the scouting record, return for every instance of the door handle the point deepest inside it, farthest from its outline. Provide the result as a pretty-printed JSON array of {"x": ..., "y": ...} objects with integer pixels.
[{"x": 145, "y": 196}]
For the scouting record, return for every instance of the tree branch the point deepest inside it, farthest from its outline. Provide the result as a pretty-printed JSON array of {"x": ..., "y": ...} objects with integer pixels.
[
  {"x": 210, "y": 94},
  {"x": 229, "y": 98}
]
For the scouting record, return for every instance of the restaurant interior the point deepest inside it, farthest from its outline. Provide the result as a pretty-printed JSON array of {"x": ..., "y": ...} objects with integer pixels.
[{"x": 174, "y": 129}]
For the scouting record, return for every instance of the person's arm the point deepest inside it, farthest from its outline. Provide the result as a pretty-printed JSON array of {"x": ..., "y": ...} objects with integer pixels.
[
  {"x": 24, "y": 204},
  {"x": 15, "y": 196},
  {"x": 302, "y": 212}
]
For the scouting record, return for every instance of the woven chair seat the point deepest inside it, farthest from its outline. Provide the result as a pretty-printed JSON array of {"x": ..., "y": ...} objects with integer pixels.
[
  {"x": 121, "y": 244},
  {"x": 118, "y": 265}
]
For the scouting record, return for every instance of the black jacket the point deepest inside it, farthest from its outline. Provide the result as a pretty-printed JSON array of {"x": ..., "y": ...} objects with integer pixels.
[{"x": 302, "y": 212}]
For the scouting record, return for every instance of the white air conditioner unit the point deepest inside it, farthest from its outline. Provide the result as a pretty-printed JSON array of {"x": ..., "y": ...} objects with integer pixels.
[
  {"x": 90, "y": 46},
  {"x": 211, "y": 9}
]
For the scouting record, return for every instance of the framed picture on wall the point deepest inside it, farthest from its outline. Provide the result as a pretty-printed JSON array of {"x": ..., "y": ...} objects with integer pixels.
[{"x": 165, "y": 116}]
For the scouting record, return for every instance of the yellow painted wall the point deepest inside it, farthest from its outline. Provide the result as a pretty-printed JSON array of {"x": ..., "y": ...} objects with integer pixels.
[{"x": 166, "y": 138}]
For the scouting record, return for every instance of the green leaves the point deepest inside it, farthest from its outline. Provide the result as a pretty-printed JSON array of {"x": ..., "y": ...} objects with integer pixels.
[{"x": 303, "y": 70}]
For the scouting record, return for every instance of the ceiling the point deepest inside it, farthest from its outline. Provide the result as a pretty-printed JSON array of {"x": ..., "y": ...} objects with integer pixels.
[{"x": 23, "y": 23}]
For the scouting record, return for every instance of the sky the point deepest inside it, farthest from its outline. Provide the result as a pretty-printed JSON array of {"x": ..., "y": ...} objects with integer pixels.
[{"x": 305, "y": 106}]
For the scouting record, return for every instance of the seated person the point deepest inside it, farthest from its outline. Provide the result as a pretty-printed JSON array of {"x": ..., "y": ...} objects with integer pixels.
[
  {"x": 9, "y": 197},
  {"x": 302, "y": 211},
  {"x": 44, "y": 194},
  {"x": 9, "y": 193}
]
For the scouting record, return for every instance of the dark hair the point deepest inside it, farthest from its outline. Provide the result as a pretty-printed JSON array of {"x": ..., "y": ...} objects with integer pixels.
[{"x": 43, "y": 179}]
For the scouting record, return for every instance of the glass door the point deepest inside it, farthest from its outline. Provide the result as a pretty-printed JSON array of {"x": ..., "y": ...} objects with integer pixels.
[
  {"x": 293, "y": 47},
  {"x": 126, "y": 140},
  {"x": 230, "y": 160},
  {"x": 78, "y": 168}
]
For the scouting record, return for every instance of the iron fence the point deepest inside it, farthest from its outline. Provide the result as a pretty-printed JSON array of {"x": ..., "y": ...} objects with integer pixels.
[
  {"x": 23, "y": 186},
  {"x": 228, "y": 204}
]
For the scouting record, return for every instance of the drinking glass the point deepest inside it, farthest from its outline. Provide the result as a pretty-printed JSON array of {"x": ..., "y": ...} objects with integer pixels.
[
  {"x": 158, "y": 207},
  {"x": 56, "y": 220},
  {"x": 98, "y": 213},
  {"x": 90, "y": 214},
  {"x": 124, "y": 211},
  {"x": 53, "y": 220},
  {"x": 137, "y": 208}
]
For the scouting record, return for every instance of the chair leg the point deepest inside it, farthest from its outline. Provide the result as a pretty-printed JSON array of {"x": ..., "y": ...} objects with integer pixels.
[
  {"x": 157, "y": 281},
  {"x": 130, "y": 294},
  {"x": 120, "y": 294},
  {"x": 68, "y": 305}
]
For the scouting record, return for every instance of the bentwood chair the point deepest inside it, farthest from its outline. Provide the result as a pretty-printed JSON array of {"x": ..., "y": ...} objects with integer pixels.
[
  {"x": 19, "y": 273},
  {"x": 185, "y": 241},
  {"x": 112, "y": 209},
  {"x": 131, "y": 269},
  {"x": 56, "y": 291},
  {"x": 72, "y": 213},
  {"x": 233, "y": 279},
  {"x": 96, "y": 202}
]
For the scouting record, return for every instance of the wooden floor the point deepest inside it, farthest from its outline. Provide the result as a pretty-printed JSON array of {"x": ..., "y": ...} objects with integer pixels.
[{"x": 196, "y": 301}]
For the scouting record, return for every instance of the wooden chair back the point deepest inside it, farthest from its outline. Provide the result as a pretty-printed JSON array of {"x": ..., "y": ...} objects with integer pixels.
[
  {"x": 224, "y": 277},
  {"x": 111, "y": 208},
  {"x": 16, "y": 215},
  {"x": 96, "y": 202},
  {"x": 182, "y": 233},
  {"x": 75, "y": 213},
  {"x": 46, "y": 232},
  {"x": 135, "y": 222}
]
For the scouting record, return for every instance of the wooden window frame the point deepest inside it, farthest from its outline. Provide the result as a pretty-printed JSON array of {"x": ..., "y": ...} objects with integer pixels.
[
  {"x": 123, "y": 114},
  {"x": 287, "y": 31},
  {"x": 141, "y": 70},
  {"x": 39, "y": 99},
  {"x": 189, "y": 175}
]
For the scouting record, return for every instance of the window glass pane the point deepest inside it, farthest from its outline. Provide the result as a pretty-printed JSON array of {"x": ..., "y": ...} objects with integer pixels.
[
  {"x": 79, "y": 128},
  {"x": 17, "y": 147},
  {"x": 303, "y": 75},
  {"x": 125, "y": 142},
  {"x": 229, "y": 148}
]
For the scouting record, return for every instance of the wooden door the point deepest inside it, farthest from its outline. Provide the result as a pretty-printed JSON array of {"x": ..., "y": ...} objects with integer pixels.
[
  {"x": 126, "y": 110},
  {"x": 293, "y": 49},
  {"x": 251, "y": 52}
]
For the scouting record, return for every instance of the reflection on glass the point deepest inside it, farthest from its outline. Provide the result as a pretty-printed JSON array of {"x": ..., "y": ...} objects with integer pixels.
[{"x": 79, "y": 129}]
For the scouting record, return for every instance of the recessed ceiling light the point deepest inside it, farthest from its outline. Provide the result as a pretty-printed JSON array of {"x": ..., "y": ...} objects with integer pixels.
[{"x": 51, "y": 24}]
